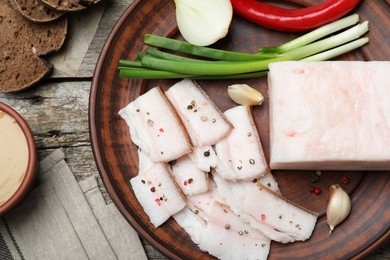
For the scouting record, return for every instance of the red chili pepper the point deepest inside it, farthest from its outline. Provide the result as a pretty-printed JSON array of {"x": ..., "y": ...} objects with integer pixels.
[{"x": 293, "y": 20}]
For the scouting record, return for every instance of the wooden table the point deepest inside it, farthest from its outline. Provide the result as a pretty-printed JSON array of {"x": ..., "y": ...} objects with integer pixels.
[{"x": 57, "y": 111}]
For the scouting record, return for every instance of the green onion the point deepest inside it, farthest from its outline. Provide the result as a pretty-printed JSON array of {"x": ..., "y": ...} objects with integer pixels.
[
  {"x": 331, "y": 42},
  {"x": 209, "y": 67},
  {"x": 206, "y": 52},
  {"x": 250, "y": 75},
  {"x": 221, "y": 64},
  {"x": 136, "y": 73},
  {"x": 330, "y": 54},
  {"x": 169, "y": 56},
  {"x": 126, "y": 63},
  {"x": 314, "y": 35}
]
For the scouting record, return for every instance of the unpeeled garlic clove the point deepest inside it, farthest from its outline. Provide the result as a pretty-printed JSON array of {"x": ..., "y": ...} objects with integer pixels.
[
  {"x": 245, "y": 95},
  {"x": 339, "y": 206}
]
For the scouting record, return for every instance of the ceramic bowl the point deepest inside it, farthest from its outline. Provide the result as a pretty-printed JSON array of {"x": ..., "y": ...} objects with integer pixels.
[{"x": 28, "y": 180}]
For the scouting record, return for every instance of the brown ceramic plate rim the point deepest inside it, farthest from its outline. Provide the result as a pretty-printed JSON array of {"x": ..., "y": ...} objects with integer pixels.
[
  {"x": 96, "y": 148},
  {"x": 94, "y": 136},
  {"x": 29, "y": 177}
]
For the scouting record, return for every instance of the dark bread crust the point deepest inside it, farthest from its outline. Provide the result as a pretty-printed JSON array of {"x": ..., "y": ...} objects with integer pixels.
[
  {"x": 21, "y": 71},
  {"x": 69, "y": 5},
  {"x": 36, "y": 11},
  {"x": 21, "y": 44}
]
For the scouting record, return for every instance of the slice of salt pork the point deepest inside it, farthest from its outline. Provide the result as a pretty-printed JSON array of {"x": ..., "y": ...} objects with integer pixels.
[
  {"x": 276, "y": 211},
  {"x": 240, "y": 154},
  {"x": 202, "y": 203},
  {"x": 158, "y": 193},
  {"x": 227, "y": 237},
  {"x": 189, "y": 177},
  {"x": 155, "y": 127},
  {"x": 331, "y": 115},
  {"x": 203, "y": 120},
  {"x": 235, "y": 193},
  {"x": 204, "y": 157},
  {"x": 191, "y": 223}
]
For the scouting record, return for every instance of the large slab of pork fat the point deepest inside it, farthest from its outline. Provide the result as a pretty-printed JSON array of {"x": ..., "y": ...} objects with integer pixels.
[
  {"x": 155, "y": 127},
  {"x": 332, "y": 115}
]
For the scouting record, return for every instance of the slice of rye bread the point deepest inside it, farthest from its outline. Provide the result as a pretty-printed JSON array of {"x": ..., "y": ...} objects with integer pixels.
[
  {"x": 36, "y": 11},
  {"x": 22, "y": 43},
  {"x": 69, "y": 5}
]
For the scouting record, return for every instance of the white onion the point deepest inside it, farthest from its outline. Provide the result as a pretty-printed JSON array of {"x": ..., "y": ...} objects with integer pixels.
[{"x": 203, "y": 22}]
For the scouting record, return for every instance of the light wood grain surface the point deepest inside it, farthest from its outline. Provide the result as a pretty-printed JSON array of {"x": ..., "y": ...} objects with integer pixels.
[{"x": 57, "y": 112}]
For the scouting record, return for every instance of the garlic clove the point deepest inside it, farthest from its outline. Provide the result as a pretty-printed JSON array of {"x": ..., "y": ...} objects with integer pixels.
[
  {"x": 339, "y": 206},
  {"x": 203, "y": 22},
  {"x": 245, "y": 95}
]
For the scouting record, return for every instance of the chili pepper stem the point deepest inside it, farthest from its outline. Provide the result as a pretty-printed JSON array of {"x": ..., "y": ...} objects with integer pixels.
[{"x": 314, "y": 35}]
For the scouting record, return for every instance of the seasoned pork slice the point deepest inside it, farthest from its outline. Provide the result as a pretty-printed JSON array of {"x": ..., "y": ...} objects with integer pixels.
[
  {"x": 202, "y": 118},
  {"x": 241, "y": 155},
  {"x": 191, "y": 223},
  {"x": 155, "y": 127},
  {"x": 189, "y": 177},
  {"x": 332, "y": 115},
  {"x": 202, "y": 203},
  {"x": 227, "y": 237},
  {"x": 270, "y": 182},
  {"x": 158, "y": 193},
  {"x": 274, "y": 210},
  {"x": 235, "y": 193},
  {"x": 144, "y": 161},
  {"x": 204, "y": 157}
]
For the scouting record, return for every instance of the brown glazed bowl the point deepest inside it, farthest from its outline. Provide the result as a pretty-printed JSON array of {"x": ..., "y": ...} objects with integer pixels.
[{"x": 32, "y": 166}]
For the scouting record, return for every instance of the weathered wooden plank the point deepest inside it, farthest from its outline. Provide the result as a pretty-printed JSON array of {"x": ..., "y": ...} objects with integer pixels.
[
  {"x": 56, "y": 112},
  {"x": 111, "y": 15}
]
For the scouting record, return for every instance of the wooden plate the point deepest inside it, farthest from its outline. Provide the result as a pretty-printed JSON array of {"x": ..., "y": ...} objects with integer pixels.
[{"x": 116, "y": 157}]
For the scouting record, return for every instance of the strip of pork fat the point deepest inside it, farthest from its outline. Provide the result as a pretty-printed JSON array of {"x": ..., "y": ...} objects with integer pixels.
[
  {"x": 191, "y": 223},
  {"x": 240, "y": 154},
  {"x": 227, "y": 237},
  {"x": 189, "y": 177},
  {"x": 158, "y": 193},
  {"x": 268, "y": 211},
  {"x": 155, "y": 127},
  {"x": 234, "y": 193},
  {"x": 204, "y": 157},
  {"x": 203, "y": 120}
]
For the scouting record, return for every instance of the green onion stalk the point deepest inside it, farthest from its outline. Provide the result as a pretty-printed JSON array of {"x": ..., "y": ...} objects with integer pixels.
[{"x": 209, "y": 63}]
